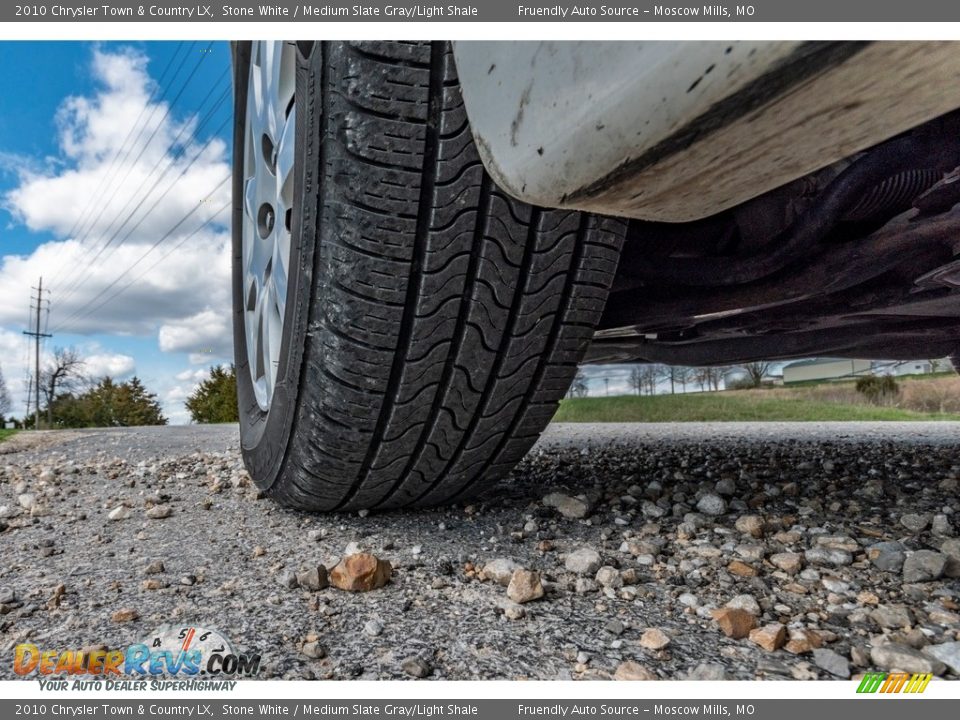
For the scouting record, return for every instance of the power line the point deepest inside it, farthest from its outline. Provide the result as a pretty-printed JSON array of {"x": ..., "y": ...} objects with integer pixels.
[
  {"x": 77, "y": 314},
  {"x": 160, "y": 259},
  {"x": 37, "y": 335},
  {"x": 157, "y": 202},
  {"x": 143, "y": 148},
  {"x": 171, "y": 161},
  {"x": 123, "y": 146}
]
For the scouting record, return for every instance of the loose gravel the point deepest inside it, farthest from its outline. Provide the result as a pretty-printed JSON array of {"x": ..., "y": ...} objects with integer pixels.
[{"x": 707, "y": 551}]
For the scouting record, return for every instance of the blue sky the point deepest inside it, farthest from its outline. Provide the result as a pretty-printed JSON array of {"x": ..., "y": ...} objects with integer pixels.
[{"x": 66, "y": 109}]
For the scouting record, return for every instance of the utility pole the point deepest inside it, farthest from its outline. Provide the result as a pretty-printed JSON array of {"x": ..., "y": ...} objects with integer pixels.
[{"x": 37, "y": 335}]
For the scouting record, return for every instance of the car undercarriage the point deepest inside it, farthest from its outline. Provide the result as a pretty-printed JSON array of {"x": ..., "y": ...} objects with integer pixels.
[{"x": 861, "y": 259}]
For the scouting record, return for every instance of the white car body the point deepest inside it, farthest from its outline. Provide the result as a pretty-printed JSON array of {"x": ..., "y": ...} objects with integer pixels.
[{"x": 678, "y": 131}]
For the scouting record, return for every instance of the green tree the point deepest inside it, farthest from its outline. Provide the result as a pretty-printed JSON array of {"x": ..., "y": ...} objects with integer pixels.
[
  {"x": 108, "y": 404},
  {"x": 215, "y": 400}
]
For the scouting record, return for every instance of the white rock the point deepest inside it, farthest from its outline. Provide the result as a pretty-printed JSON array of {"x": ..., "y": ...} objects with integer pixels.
[
  {"x": 120, "y": 512},
  {"x": 585, "y": 561}
]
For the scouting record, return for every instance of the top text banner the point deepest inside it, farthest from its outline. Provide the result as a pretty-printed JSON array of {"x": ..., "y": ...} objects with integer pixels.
[{"x": 484, "y": 11}]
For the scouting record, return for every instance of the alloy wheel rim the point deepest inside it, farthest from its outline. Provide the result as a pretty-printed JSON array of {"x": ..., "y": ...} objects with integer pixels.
[{"x": 268, "y": 179}]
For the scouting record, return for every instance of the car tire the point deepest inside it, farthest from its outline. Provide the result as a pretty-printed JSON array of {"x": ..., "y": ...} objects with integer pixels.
[{"x": 430, "y": 323}]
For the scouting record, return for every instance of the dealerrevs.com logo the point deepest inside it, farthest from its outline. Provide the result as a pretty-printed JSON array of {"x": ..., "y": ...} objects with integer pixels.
[{"x": 202, "y": 656}]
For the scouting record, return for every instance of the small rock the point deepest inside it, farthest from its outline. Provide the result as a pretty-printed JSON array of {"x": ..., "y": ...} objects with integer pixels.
[
  {"x": 124, "y": 615},
  {"x": 313, "y": 579},
  {"x": 416, "y": 666},
  {"x": 631, "y": 670},
  {"x": 708, "y": 671},
  {"x": 372, "y": 628},
  {"x": 608, "y": 576},
  {"x": 585, "y": 561},
  {"x": 893, "y": 656},
  {"x": 499, "y": 571},
  {"x": 287, "y": 579},
  {"x": 803, "y": 641},
  {"x": 828, "y": 556},
  {"x": 947, "y": 653},
  {"x": 741, "y": 569},
  {"x": 154, "y": 568},
  {"x": 915, "y": 523},
  {"x": 887, "y": 556},
  {"x": 711, "y": 504},
  {"x": 120, "y": 512},
  {"x": 789, "y": 562},
  {"x": 832, "y": 662},
  {"x": 770, "y": 637},
  {"x": 734, "y": 623},
  {"x": 654, "y": 639},
  {"x": 585, "y": 585},
  {"x": 838, "y": 542},
  {"x": 159, "y": 512},
  {"x": 924, "y": 566},
  {"x": 951, "y": 548},
  {"x": 360, "y": 572},
  {"x": 751, "y": 525},
  {"x": 892, "y": 616},
  {"x": 941, "y": 526},
  {"x": 313, "y": 650},
  {"x": 524, "y": 586},
  {"x": 569, "y": 507},
  {"x": 744, "y": 602},
  {"x": 514, "y": 612}
]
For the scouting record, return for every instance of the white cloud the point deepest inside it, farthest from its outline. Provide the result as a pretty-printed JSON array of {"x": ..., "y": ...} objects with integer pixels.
[
  {"x": 87, "y": 192},
  {"x": 205, "y": 334},
  {"x": 119, "y": 367},
  {"x": 195, "y": 376}
]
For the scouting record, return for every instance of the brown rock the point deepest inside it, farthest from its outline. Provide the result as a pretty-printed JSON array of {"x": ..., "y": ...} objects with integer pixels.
[
  {"x": 524, "y": 586},
  {"x": 741, "y": 569},
  {"x": 770, "y": 637},
  {"x": 654, "y": 639},
  {"x": 751, "y": 525},
  {"x": 803, "y": 641},
  {"x": 153, "y": 584},
  {"x": 734, "y": 623},
  {"x": 124, "y": 615},
  {"x": 631, "y": 670},
  {"x": 788, "y": 562},
  {"x": 159, "y": 512},
  {"x": 360, "y": 572}
]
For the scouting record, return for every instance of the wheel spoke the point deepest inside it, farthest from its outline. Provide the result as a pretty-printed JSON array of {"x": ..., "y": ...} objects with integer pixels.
[
  {"x": 268, "y": 169},
  {"x": 278, "y": 279},
  {"x": 285, "y": 154}
]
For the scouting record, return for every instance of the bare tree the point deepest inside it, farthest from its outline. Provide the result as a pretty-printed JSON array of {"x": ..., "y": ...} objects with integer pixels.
[
  {"x": 670, "y": 374},
  {"x": 5, "y": 403},
  {"x": 63, "y": 372},
  {"x": 636, "y": 379},
  {"x": 708, "y": 378},
  {"x": 683, "y": 376},
  {"x": 579, "y": 388},
  {"x": 648, "y": 376},
  {"x": 756, "y": 371}
]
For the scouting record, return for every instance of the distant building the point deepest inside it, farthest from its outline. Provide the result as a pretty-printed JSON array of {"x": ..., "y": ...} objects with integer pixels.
[
  {"x": 825, "y": 369},
  {"x": 910, "y": 367}
]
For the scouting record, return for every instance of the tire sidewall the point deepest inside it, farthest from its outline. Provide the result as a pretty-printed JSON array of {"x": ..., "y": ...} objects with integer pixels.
[{"x": 264, "y": 436}]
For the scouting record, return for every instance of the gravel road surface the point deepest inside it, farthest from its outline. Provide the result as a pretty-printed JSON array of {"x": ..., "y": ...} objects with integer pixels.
[{"x": 710, "y": 551}]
